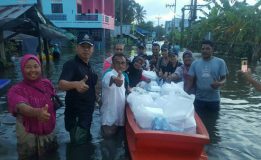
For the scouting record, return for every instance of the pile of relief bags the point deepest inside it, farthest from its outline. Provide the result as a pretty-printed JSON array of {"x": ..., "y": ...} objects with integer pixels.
[{"x": 166, "y": 106}]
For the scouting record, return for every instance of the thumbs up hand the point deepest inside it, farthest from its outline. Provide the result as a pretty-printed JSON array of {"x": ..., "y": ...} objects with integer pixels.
[
  {"x": 43, "y": 114},
  {"x": 118, "y": 81},
  {"x": 85, "y": 79},
  {"x": 81, "y": 86}
]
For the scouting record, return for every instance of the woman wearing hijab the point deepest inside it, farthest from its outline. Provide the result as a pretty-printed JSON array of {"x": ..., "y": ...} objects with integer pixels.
[
  {"x": 181, "y": 73},
  {"x": 30, "y": 102},
  {"x": 135, "y": 72}
]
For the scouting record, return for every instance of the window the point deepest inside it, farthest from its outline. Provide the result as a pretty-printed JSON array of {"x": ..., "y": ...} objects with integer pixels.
[
  {"x": 79, "y": 8},
  {"x": 57, "y": 8}
]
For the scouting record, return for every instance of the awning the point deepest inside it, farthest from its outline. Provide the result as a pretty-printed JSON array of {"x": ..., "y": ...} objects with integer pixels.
[
  {"x": 132, "y": 36},
  {"x": 9, "y": 13},
  {"x": 27, "y": 19},
  {"x": 140, "y": 33}
]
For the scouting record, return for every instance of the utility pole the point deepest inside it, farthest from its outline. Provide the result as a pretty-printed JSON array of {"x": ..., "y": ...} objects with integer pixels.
[
  {"x": 174, "y": 11},
  {"x": 192, "y": 16},
  {"x": 194, "y": 11},
  {"x": 158, "y": 18}
]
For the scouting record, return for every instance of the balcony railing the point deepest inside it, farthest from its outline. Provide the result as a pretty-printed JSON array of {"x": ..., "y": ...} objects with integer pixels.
[
  {"x": 89, "y": 17},
  {"x": 107, "y": 19},
  {"x": 56, "y": 17}
]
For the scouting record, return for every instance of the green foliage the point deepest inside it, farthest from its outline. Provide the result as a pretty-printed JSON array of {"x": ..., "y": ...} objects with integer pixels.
[
  {"x": 147, "y": 26},
  {"x": 231, "y": 26},
  {"x": 174, "y": 36},
  {"x": 139, "y": 13},
  {"x": 132, "y": 11},
  {"x": 160, "y": 32},
  {"x": 128, "y": 11}
]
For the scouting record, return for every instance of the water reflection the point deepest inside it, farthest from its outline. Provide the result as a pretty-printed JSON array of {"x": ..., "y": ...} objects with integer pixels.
[
  {"x": 209, "y": 118},
  {"x": 80, "y": 152},
  {"x": 112, "y": 147}
]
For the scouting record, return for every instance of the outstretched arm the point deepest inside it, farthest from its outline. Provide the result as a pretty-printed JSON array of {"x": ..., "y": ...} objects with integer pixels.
[
  {"x": 41, "y": 114},
  {"x": 189, "y": 83},
  {"x": 251, "y": 80}
]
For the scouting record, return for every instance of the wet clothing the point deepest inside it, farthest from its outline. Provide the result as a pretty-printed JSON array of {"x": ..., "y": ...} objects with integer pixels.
[
  {"x": 113, "y": 101},
  {"x": 205, "y": 73},
  {"x": 79, "y": 107},
  {"x": 201, "y": 106},
  {"x": 34, "y": 138},
  {"x": 34, "y": 146}
]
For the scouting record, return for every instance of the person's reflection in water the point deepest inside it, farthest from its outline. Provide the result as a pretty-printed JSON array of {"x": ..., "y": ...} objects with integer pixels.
[
  {"x": 112, "y": 147},
  {"x": 80, "y": 152},
  {"x": 209, "y": 118}
]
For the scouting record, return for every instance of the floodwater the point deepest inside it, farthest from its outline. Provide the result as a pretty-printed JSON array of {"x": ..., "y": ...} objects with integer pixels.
[{"x": 234, "y": 131}]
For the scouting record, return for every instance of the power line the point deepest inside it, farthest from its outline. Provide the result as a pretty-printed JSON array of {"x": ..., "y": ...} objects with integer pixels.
[{"x": 158, "y": 18}]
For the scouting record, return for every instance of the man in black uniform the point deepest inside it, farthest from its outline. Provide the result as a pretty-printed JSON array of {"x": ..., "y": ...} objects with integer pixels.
[{"x": 79, "y": 80}]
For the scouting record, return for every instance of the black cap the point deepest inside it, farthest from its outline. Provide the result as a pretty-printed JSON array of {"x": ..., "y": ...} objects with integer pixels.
[
  {"x": 84, "y": 38},
  {"x": 173, "y": 52},
  {"x": 141, "y": 46}
]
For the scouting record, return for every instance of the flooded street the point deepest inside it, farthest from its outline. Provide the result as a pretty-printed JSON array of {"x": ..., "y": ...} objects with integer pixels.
[{"x": 235, "y": 131}]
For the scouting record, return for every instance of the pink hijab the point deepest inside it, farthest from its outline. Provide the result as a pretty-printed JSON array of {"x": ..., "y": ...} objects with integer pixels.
[
  {"x": 24, "y": 60},
  {"x": 23, "y": 92}
]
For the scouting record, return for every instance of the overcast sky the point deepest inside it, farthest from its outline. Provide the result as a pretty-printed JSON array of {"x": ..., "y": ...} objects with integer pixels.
[{"x": 157, "y": 8}]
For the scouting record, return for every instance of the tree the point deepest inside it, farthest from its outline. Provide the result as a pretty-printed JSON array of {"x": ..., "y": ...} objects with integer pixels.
[
  {"x": 235, "y": 26},
  {"x": 128, "y": 11},
  {"x": 147, "y": 26},
  {"x": 139, "y": 13}
]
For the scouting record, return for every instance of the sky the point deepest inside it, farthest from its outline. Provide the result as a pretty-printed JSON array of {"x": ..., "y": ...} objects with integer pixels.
[{"x": 157, "y": 12}]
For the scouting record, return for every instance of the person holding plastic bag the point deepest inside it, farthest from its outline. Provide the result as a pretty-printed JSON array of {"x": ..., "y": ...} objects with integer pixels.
[
  {"x": 181, "y": 73},
  {"x": 113, "y": 96}
]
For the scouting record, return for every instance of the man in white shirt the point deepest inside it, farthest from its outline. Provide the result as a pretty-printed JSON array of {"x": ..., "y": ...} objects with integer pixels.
[{"x": 113, "y": 96}]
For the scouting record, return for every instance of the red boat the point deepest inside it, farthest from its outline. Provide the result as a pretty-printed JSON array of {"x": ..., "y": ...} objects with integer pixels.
[{"x": 165, "y": 145}]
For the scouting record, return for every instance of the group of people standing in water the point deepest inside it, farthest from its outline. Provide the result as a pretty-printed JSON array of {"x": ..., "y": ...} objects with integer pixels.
[{"x": 30, "y": 100}]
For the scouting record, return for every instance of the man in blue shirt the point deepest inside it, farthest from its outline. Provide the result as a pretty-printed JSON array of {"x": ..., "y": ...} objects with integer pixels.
[{"x": 209, "y": 74}]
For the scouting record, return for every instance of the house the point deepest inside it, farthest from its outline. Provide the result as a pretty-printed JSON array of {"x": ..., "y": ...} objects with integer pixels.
[
  {"x": 94, "y": 17},
  {"x": 132, "y": 33},
  {"x": 24, "y": 20}
]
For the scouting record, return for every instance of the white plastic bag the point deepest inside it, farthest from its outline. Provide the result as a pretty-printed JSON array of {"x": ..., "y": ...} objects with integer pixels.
[
  {"x": 149, "y": 74},
  {"x": 144, "y": 115}
]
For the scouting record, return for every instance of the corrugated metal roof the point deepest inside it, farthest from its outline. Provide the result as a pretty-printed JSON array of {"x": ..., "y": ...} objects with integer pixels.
[
  {"x": 25, "y": 19},
  {"x": 12, "y": 12}
]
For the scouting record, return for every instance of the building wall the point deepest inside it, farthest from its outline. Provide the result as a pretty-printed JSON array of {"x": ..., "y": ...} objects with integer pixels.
[
  {"x": 15, "y": 2},
  {"x": 92, "y": 14},
  {"x": 94, "y": 17}
]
